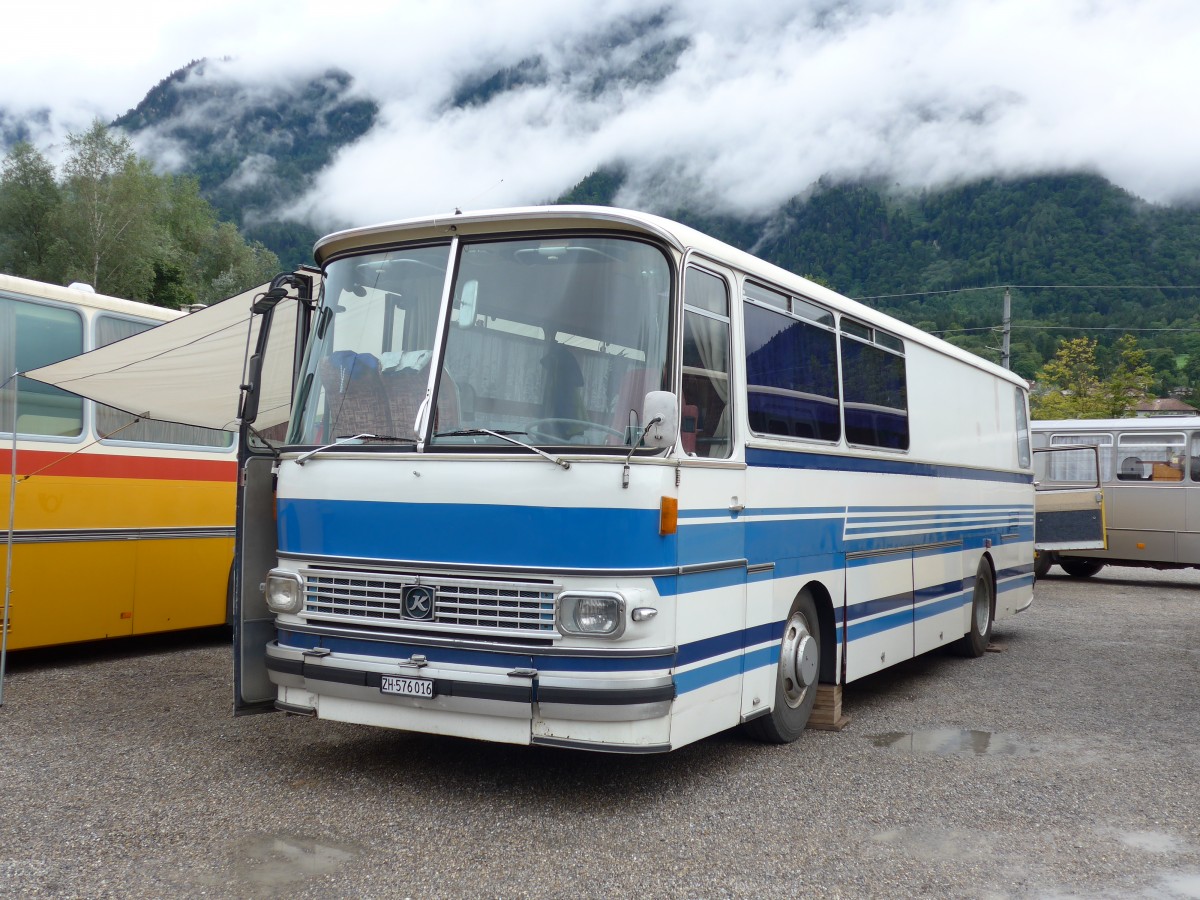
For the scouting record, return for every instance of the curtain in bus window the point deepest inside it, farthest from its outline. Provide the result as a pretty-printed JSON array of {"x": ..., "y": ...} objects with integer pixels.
[
  {"x": 876, "y": 396},
  {"x": 33, "y": 335},
  {"x": 557, "y": 339},
  {"x": 791, "y": 376},
  {"x": 1070, "y": 468},
  {"x": 706, "y": 365},
  {"x": 119, "y": 425}
]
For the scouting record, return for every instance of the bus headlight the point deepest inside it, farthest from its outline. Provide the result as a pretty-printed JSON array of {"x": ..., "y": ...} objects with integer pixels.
[
  {"x": 284, "y": 591},
  {"x": 593, "y": 614}
]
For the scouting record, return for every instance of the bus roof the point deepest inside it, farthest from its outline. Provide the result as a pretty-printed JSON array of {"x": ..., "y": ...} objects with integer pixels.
[
  {"x": 680, "y": 237},
  {"x": 1141, "y": 423},
  {"x": 76, "y": 297}
]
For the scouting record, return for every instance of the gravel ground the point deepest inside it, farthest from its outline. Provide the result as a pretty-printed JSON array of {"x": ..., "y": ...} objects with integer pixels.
[{"x": 1065, "y": 765}]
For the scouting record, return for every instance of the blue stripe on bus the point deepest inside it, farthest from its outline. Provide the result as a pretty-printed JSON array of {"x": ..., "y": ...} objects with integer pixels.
[
  {"x": 946, "y": 604},
  {"x": 867, "y": 608},
  {"x": 598, "y": 538},
  {"x": 1013, "y": 584},
  {"x": 563, "y": 537},
  {"x": 862, "y": 629},
  {"x": 934, "y": 591},
  {"x": 792, "y": 459},
  {"x": 710, "y": 674}
]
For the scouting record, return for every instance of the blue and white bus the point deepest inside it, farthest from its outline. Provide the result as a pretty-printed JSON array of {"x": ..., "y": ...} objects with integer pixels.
[{"x": 585, "y": 477}]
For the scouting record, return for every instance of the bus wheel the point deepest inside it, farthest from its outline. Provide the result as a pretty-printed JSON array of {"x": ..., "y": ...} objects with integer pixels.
[
  {"x": 796, "y": 677},
  {"x": 1081, "y": 568},
  {"x": 975, "y": 642},
  {"x": 1042, "y": 563}
]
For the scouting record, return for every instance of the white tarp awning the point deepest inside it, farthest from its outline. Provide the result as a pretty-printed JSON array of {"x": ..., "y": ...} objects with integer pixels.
[{"x": 189, "y": 370}]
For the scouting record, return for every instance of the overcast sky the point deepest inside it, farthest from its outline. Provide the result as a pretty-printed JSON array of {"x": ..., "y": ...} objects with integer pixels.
[{"x": 767, "y": 98}]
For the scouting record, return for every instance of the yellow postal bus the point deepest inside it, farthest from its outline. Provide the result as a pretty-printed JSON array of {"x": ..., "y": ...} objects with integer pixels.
[{"x": 120, "y": 526}]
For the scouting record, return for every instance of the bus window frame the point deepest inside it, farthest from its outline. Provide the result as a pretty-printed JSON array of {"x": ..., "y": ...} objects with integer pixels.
[{"x": 11, "y": 424}]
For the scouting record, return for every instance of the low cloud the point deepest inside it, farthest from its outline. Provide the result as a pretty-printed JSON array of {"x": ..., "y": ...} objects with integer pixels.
[{"x": 756, "y": 102}]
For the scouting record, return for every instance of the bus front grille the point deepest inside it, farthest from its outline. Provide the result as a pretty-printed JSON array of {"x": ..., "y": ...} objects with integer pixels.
[{"x": 460, "y": 605}]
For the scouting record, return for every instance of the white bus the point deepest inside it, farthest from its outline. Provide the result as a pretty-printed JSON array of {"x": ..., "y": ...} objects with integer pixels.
[
  {"x": 583, "y": 477},
  {"x": 1150, "y": 477}
]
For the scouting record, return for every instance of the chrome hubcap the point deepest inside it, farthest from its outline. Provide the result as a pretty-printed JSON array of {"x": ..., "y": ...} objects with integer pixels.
[
  {"x": 798, "y": 660},
  {"x": 982, "y": 606}
]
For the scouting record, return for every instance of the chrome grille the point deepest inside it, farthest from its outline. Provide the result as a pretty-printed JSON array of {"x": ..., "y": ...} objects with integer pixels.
[{"x": 475, "y": 606}]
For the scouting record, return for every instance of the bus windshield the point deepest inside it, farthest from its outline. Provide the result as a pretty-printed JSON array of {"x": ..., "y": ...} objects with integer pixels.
[{"x": 554, "y": 341}]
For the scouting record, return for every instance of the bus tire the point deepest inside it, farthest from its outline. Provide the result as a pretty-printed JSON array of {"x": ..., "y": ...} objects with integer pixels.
[
  {"x": 230, "y": 606},
  {"x": 796, "y": 676},
  {"x": 975, "y": 642},
  {"x": 1081, "y": 568},
  {"x": 1042, "y": 563}
]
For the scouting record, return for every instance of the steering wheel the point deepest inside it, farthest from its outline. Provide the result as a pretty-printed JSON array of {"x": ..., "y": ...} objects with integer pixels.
[{"x": 543, "y": 431}]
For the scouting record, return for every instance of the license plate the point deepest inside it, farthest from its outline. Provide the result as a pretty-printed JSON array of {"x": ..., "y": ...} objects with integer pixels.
[{"x": 403, "y": 686}]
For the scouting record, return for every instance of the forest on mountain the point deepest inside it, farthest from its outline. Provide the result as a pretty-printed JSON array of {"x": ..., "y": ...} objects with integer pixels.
[
  {"x": 1081, "y": 257},
  {"x": 107, "y": 219}
]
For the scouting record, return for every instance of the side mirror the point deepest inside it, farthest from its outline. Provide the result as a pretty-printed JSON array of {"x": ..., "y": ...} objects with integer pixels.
[{"x": 660, "y": 412}]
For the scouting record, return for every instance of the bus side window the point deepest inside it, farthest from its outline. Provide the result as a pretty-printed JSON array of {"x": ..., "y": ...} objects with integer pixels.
[
  {"x": 1195, "y": 456},
  {"x": 706, "y": 363}
]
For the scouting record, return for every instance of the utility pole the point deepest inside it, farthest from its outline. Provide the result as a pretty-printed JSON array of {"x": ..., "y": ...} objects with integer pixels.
[{"x": 1005, "y": 347}]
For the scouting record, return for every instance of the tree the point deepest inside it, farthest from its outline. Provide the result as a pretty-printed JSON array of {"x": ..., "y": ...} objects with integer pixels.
[
  {"x": 113, "y": 222},
  {"x": 1069, "y": 386},
  {"x": 109, "y": 217},
  {"x": 29, "y": 199},
  {"x": 1130, "y": 381}
]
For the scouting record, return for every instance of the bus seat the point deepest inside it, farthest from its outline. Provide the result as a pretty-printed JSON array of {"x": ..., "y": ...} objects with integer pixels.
[
  {"x": 689, "y": 413},
  {"x": 405, "y": 389},
  {"x": 354, "y": 397},
  {"x": 1131, "y": 469}
]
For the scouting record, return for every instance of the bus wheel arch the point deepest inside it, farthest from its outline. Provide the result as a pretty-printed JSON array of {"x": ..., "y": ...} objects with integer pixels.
[
  {"x": 983, "y": 611},
  {"x": 802, "y": 655}
]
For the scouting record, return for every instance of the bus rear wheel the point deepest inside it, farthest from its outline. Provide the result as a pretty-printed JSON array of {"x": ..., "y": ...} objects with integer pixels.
[
  {"x": 1081, "y": 568},
  {"x": 975, "y": 642},
  {"x": 796, "y": 677}
]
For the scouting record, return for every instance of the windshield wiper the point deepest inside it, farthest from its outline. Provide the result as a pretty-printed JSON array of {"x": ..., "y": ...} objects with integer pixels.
[
  {"x": 303, "y": 458},
  {"x": 504, "y": 436}
]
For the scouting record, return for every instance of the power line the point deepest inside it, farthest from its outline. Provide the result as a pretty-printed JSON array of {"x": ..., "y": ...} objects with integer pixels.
[
  {"x": 1060, "y": 328},
  {"x": 1040, "y": 287}
]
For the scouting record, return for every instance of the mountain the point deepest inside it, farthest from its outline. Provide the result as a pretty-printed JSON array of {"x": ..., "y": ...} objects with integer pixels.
[
  {"x": 939, "y": 259},
  {"x": 252, "y": 151},
  {"x": 1063, "y": 241}
]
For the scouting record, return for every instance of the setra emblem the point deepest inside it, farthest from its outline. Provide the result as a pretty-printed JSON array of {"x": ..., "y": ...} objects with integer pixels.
[{"x": 418, "y": 602}]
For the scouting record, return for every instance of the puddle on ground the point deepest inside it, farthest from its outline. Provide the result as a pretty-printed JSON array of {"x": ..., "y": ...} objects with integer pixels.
[
  {"x": 935, "y": 844},
  {"x": 954, "y": 742},
  {"x": 1185, "y": 884},
  {"x": 276, "y": 860},
  {"x": 1151, "y": 841}
]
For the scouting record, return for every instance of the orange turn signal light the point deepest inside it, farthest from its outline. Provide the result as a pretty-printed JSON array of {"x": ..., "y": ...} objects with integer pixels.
[{"x": 668, "y": 516}]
